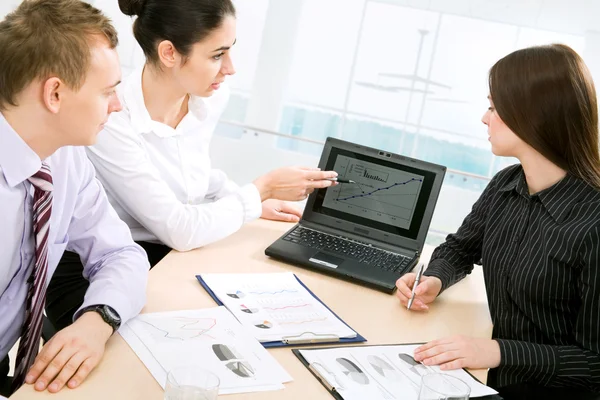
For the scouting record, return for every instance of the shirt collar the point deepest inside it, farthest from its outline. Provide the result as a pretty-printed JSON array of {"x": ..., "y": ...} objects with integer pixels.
[
  {"x": 133, "y": 96},
  {"x": 17, "y": 160},
  {"x": 559, "y": 199},
  {"x": 511, "y": 184}
]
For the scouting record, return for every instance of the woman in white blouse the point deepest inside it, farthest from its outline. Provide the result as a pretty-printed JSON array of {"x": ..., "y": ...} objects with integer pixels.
[{"x": 153, "y": 157}]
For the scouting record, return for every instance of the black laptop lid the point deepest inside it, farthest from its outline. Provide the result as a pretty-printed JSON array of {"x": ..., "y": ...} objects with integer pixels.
[{"x": 392, "y": 200}]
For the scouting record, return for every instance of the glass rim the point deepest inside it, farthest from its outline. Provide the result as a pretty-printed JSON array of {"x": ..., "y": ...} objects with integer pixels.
[
  {"x": 211, "y": 376},
  {"x": 451, "y": 378}
]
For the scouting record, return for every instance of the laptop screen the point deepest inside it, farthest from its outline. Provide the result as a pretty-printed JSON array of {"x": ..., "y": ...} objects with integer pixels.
[{"x": 386, "y": 194}]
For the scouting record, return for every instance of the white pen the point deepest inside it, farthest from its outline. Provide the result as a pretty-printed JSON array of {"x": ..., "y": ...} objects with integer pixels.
[{"x": 417, "y": 280}]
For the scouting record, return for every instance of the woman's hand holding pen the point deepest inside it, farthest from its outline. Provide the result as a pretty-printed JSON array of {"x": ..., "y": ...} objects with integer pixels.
[
  {"x": 425, "y": 293},
  {"x": 293, "y": 183}
]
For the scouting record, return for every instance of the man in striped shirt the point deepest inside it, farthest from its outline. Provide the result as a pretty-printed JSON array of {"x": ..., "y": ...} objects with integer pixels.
[
  {"x": 58, "y": 72},
  {"x": 536, "y": 232}
]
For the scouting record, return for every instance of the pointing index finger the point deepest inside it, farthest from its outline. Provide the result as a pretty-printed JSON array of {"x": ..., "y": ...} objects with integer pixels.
[{"x": 320, "y": 175}]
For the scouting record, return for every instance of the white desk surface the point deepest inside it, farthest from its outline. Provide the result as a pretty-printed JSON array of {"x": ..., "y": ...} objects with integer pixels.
[{"x": 172, "y": 285}]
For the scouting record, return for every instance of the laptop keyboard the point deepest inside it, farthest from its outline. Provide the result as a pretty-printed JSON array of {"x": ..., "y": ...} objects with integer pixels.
[{"x": 350, "y": 248}]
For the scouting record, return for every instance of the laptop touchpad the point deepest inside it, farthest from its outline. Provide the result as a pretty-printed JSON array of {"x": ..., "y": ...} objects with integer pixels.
[{"x": 327, "y": 260}]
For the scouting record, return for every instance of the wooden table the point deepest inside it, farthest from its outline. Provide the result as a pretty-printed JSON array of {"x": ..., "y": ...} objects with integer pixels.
[{"x": 172, "y": 285}]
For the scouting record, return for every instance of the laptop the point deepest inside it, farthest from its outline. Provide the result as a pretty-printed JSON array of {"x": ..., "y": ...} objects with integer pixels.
[{"x": 371, "y": 229}]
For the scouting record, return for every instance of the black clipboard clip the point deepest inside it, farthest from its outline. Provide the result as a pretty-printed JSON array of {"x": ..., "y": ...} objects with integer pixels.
[{"x": 310, "y": 338}]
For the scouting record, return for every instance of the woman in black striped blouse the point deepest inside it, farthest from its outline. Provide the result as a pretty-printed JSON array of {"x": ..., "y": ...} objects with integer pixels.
[{"x": 536, "y": 232}]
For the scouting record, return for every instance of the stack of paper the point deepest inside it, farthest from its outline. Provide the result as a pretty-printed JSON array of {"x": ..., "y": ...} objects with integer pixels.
[
  {"x": 276, "y": 307},
  {"x": 377, "y": 372},
  {"x": 212, "y": 339}
]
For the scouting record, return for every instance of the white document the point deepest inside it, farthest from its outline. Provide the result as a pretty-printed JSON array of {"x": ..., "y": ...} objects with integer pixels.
[
  {"x": 276, "y": 306},
  {"x": 212, "y": 339},
  {"x": 379, "y": 372}
]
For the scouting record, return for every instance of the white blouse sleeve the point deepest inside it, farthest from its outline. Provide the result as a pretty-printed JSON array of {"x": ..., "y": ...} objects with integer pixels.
[
  {"x": 135, "y": 183},
  {"x": 220, "y": 185}
]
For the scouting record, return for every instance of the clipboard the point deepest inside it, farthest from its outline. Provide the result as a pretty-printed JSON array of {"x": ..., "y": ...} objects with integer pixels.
[
  {"x": 331, "y": 386},
  {"x": 306, "y": 338}
]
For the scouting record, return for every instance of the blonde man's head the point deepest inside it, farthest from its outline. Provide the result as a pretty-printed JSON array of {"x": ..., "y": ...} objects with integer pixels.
[
  {"x": 59, "y": 69},
  {"x": 44, "y": 38}
]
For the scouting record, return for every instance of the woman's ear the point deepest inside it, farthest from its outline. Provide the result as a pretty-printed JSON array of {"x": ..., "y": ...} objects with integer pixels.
[{"x": 167, "y": 54}]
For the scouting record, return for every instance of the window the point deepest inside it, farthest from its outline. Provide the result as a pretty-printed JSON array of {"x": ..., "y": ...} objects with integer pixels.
[
  {"x": 404, "y": 79},
  {"x": 251, "y": 17}
]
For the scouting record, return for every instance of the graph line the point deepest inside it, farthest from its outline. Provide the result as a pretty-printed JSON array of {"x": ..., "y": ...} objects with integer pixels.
[
  {"x": 167, "y": 334},
  {"x": 380, "y": 196},
  {"x": 283, "y": 308},
  {"x": 377, "y": 190},
  {"x": 277, "y": 292},
  {"x": 303, "y": 322},
  {"x": 381, "y": 212}
]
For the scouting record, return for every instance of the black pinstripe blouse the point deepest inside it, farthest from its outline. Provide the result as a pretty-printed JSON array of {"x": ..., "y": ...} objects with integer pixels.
[{"x": 541, "y": 262}]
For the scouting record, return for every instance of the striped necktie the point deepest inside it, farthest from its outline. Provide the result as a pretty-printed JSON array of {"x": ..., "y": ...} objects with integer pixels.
[{"x": 36, "y": 296}]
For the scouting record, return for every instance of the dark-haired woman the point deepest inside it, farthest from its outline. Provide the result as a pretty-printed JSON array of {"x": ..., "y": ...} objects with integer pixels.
[
  {"x": 153, "y": 157},
  {"x": 536, "y": 232}
]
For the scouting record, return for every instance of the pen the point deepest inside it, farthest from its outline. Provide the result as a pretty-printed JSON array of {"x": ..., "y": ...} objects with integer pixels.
[
  {"x": 340, "y": 180},
  {"x": 417, "y": 280}
]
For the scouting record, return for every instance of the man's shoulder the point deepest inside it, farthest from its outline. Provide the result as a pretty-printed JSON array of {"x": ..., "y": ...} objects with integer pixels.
[
  {"x": 71, "y": 161},
  {"x": 69, "y": 154}
]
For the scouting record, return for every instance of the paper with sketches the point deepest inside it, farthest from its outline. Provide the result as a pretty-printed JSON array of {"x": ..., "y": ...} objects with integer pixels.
[
  {"x": 211, "y": 338},
  {"x": 275, "y": 306},
  {"x": 379, "y": 372}
]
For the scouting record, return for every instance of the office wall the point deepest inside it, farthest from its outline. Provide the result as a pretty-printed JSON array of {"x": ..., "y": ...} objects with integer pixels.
[{"x": 408, "y": 76}]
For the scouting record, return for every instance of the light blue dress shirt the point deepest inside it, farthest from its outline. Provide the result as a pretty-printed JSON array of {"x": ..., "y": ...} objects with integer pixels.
[{"x": 82, "y": 221}]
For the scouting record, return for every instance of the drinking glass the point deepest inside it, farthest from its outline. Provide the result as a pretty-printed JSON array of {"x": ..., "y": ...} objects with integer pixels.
[
  {"x": 191, "y": 383},
  {"x": 443, "y": 387}
]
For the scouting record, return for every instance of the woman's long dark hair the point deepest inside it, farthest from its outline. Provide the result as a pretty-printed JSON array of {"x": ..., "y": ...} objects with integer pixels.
[{"x": 546, "y": 96}]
